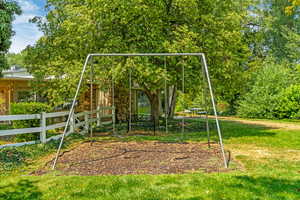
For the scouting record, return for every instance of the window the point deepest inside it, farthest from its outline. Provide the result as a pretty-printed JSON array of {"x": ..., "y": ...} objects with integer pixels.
[{"x": 25, "y": 96}]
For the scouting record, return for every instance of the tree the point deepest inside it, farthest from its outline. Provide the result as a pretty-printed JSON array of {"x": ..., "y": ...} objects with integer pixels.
[
  {"x": 291, "y": 8},
  {"x": 16, "y": 58},
  {"x": 76, "y": 28},
  {"x": 268, "y": 85},
  {"x": 276, "y": 33},
  {"x": 8, "y": 10}
]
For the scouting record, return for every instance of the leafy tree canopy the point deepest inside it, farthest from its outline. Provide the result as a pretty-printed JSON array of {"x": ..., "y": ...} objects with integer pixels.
[
  {"x": 8, "y": 10},
  {"x": 269, "y": 84},
  {"x": 16, "y": 59},
  {"x": 275, "y": 33},
  {"x": 75, "y": 28},
  {"x": 293, "y": 5}
]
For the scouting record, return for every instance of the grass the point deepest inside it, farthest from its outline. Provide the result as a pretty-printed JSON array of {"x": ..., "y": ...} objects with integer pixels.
[
  {"x": 270, "y": 160},
  {"x": 3, "y": 127},
  {"x": 27, "y": 158}
]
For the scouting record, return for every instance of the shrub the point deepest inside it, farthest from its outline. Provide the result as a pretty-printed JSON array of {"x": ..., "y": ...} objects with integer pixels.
[
  {"x": 189, "y": 100},
  {"x": 28, "y": 108},
  {"x": 262, "y": 100},
  {"x": 223, "y": 108},
  {"x": 289, "y": 103},
  {"x": 184, "y": 101}
]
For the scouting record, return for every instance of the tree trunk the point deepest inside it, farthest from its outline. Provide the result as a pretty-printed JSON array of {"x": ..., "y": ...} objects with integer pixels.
[
  {"x": 155, "y": 107},
  {"x": 154, "y": 101},
  {"x": 172, "y": 102}
]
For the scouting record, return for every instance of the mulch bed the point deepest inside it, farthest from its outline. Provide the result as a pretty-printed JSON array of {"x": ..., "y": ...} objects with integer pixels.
[{"x": 116, "y": 158}]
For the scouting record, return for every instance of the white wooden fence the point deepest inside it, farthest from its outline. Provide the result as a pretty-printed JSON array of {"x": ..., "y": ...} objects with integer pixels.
[{"x": 79, "y": 122}]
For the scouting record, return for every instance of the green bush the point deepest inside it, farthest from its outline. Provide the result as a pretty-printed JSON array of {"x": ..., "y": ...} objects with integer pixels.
[
  {"x": 223, "y": 108},
  {"x": 263, "y": 98},
  {"x": 184, "y": 101},
  {"x": 289, "y": 103},
  {"x": 28, "y": 108}
]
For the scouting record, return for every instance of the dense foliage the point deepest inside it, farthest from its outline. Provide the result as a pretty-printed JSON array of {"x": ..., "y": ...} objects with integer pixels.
[
  {"x": 274, "y": 33},
  {"x": 76, "y": 28},
  {"x": 238, "y": 37},
  {"x": 28, "y": 108},
  {"x": 17, "y": 59},
  {"x": 289, "y": 103},
  {"x": 272, "y": 94},
  {"x": 293, "y": 6},
  {"x": 187, "y": 101},
  {"x": 8, "y": 10}
]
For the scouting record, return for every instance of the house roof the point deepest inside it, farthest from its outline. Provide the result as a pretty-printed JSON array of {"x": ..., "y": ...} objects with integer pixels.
[{"x": 16, "y": 72}]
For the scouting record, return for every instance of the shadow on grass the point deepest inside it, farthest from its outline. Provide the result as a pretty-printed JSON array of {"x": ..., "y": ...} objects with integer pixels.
[
  {"x": 22, "y": 190},
  {"x": 233, "y": 187},
  {"x": 229, "y": 130},
  {"x": 233, "y": 129},
  {"x": 195, "y": 130},
  {"x": 249, "y": 187},
  {"x": 272, "y": 188},
  {"x": 128, "y": 187},
  {"x": 187, "y": 187}
]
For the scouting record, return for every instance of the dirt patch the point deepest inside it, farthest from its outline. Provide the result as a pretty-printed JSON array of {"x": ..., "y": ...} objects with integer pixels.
[
  {"x": 115, "y": 158},
  {"x": 268, "y": 124}
]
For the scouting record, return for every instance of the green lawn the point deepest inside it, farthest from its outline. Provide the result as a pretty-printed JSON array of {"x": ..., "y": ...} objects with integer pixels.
[
  {"x": 3, "y": 127},
  {"x": 269, "y": 161}
]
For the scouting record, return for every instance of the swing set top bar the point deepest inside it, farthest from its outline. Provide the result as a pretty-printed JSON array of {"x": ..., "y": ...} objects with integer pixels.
[{"x": 146, "y": 54}]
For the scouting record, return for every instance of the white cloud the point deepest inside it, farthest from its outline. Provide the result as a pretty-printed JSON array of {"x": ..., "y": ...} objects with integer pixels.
[
  {"x": 27, "y": 6},
  {"x": 23, "y": 19},
  {"x": 26, "y": 33}
]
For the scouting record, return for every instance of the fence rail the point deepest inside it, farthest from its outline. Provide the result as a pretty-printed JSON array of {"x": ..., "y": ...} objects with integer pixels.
[
  {"x": 76, "y": 124},
  {"x": 19, "y": 117}
]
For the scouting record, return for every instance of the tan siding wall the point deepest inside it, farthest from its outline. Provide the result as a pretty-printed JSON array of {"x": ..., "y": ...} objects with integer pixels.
[
  {"x": 9, "y": 90},
  {"x": 8, "y": 93},
  {"x": 100, "y": 98}
]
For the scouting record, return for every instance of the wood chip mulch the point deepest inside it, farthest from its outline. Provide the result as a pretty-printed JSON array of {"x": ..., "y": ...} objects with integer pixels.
[{"x": 116, "y": 158}]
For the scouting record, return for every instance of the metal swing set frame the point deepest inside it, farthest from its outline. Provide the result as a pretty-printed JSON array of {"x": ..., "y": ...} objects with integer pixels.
[{"x": 165, "y": 55}]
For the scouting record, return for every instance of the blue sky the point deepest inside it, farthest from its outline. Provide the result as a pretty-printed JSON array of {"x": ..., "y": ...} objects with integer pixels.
[{"x": 27, "y": 33}]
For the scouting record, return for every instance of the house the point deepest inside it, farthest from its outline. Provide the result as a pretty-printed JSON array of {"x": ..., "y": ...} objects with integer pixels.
[{"x": 14, "y": 87}]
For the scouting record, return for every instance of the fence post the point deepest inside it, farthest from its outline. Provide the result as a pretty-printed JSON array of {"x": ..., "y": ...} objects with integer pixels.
[
  {"x": 43, "y": 128},
  {"x": 86, "y": 120}
]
